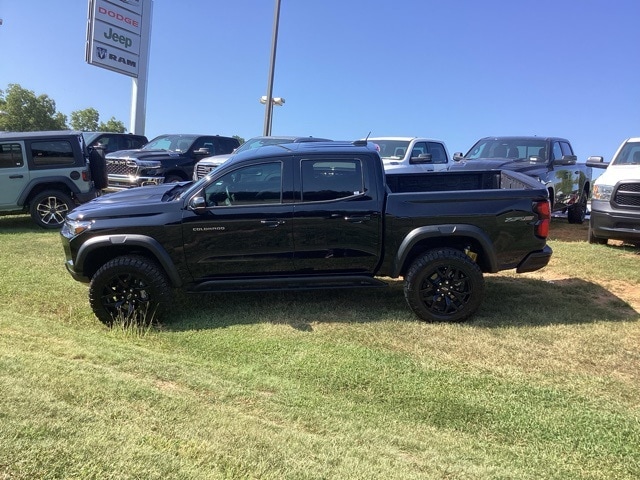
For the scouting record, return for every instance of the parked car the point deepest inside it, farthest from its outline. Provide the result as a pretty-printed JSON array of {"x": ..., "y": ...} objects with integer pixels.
[
  {"x": 45, "y": 174},
  {"x": 165, "y": 159},
  {"x": 204, "y": 166},
  {"x": 615, "y": 201},
  {"x": 112, "y": 142},
  {"x": 412, "y": 154},
  {"x": 549, "y": 159},
  {"x": 311, "y": 215}
]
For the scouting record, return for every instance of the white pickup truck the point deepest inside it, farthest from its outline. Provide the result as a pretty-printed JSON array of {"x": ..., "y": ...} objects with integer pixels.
[
  {"x": 411, "y": 154},
  {"x": 615, "y": 200}
]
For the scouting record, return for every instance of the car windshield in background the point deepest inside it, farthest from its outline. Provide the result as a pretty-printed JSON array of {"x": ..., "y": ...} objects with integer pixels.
[
  {"x": 629, "y": 155},
  {"x": 507, "y": 148},
  {"x": 175, "y": 143},
  {"x": 395, "y": 149}
]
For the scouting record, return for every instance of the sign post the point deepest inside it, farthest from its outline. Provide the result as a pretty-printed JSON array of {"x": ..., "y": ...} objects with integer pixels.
[{"x": 118, "y": 37}]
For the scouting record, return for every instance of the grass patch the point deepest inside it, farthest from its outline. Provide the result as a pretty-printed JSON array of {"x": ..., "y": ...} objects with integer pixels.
[{"x": 542, "y": 383}]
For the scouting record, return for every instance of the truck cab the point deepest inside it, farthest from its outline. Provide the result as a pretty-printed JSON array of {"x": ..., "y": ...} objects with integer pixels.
[{"x": 411, "y": 154}]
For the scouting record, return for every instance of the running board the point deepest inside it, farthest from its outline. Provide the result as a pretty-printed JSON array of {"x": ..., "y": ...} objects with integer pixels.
[{"x": 286, "y": 283}]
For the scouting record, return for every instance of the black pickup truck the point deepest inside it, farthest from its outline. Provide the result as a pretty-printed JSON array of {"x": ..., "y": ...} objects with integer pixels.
[{"x": 308, "y": 215}]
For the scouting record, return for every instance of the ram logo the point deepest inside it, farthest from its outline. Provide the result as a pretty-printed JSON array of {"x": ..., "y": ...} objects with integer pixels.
[
  {"x": 102, "y": 52},
  {"x": 528, "y": 218}
]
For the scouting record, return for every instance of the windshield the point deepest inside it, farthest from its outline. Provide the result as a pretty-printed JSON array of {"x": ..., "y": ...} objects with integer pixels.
[
  {"x": 514, "y": 148},
  {"x": 175, "y": 143},
  {"x": 629, "y": 154},
  {"x": 392, "y": 149},
  {"x": 258, "y": 142}
]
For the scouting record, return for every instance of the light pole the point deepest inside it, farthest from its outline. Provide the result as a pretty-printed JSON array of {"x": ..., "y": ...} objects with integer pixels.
[
  {"x": 274, "y": 101},
  {"x": 268, "y": 110}
]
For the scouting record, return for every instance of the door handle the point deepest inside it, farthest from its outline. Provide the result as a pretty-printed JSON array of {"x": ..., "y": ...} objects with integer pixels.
[
  {"x": 272, "y": 223},
  {"x": 16, "y": 176},
  {"x": 358, "y": 219}
]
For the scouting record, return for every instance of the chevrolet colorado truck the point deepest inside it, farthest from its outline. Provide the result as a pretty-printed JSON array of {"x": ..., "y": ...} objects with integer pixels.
[
  {"x": 548, "y": 159},
  {"x": 165, "y": 159},
  {"x": 308, "y": 215}
]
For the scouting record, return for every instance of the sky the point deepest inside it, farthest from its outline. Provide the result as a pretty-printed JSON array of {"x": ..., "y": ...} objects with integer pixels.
[{"x": 454, "y": 70}]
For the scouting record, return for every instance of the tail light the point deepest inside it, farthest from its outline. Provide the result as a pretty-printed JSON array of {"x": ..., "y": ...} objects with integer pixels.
[
  {"x": 86, "y": 176},
  {"x": 543, "y": 209}
]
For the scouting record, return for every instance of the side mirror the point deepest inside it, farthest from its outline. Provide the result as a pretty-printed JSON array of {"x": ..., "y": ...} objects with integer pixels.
[
  {"x": 422, "y": 158},
  {"x": 198, "y": 204},
  {"x": 597, "y": 162},
  {"x": 458, "y": 156},
  {"x": 202, "y": 151},
  {"x": 566, "y": 160}
]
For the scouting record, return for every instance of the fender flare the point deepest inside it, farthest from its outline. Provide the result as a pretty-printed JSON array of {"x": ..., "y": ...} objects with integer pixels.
[
  {"x": 148, "y": 243},
  {"x": 45, "y": 181},
  {"x": 442, "y": 231}
]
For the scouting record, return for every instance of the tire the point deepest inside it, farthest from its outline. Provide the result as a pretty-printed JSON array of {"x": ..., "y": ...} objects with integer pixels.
[
  {"x": 130, "y": 289},
  {"x": 595, "y": 240},
  {"x": 577, "y": 213},
  {"x": 173, "y": 179},
  {"x": 98, "y": 168},
  {"x": 444, "y": 285},
  {"x": 49, "y": 208}
]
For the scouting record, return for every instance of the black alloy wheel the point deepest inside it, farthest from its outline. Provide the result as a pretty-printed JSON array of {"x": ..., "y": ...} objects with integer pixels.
[
  {"x": 50, "y": 207},
  {"x": 444, "y": 285}
]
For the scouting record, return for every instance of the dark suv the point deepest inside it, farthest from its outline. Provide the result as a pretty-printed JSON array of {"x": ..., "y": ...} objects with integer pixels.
[
  {"x": 112, "y": 142},
  {"x": 44, "y": 173},
  {"x": 165, "y": 159}
]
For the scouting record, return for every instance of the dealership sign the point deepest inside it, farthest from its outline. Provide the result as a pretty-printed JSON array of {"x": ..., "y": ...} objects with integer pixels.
[{"x": 116, "y": 35}]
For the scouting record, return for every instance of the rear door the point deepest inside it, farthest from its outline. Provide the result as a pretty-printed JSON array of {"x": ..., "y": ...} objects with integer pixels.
[
  {"x": 247, "y": 228},
  {"x": 14, "y": 173},
  {"x": 336, "y": 221}
]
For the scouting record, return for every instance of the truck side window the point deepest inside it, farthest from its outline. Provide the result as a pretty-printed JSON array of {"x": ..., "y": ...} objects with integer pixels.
[
  {"x": 251, "y": 185},
  {"x": 557, "y": 152},
  {"x": 438, "y": 153},
  {"x": 330, "y": 179},
  {"x": 11, "y": 155}
]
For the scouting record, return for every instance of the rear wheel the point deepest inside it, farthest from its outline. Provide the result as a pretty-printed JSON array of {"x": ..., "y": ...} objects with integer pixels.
[
  {"x": 129, "y": 289},
  {"x": 444, "y": 285},
  {"x": 577, "y": 212},
  {"x": 50, "y": 207}
]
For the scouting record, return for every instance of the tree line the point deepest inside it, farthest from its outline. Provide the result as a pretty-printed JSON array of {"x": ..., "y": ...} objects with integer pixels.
[{"x": 21, "y": 110}]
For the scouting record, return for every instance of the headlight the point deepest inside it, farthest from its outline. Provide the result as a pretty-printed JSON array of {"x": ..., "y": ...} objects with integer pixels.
[
  {"x": 602, "y": 192},
  {"x": 73, "y": 228},
  {"x": 149, "y": 164}
]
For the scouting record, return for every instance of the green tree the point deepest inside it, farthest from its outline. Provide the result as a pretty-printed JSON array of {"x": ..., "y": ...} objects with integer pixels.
[
  {"x": 112, "y": 125},
  {"x": 240, "y": 139},
  {"x": 85, "y": 120},
  {"x": 23, "y": 111}
]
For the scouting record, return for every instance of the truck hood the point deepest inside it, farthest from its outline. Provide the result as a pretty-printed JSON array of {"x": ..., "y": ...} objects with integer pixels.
[
  {"x": 141, "y": 154},
  {"x": 615, "y": 173},
  {"x": 216, "y": 160},
  {"x": 517, "y": 165},
  {"x": 147, "y": 200}
]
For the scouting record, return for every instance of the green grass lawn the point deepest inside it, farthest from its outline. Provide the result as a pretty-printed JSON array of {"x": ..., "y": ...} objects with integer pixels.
[{"x": 543, "y": 383}]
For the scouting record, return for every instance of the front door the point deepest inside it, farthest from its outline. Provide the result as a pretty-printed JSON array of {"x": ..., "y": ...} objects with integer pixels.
[{"x": 247, "y": 228}]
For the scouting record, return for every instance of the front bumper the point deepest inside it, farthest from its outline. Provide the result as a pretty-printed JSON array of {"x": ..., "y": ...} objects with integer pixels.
[
  {"x": 614, "y": 223},
  {"x": 122, "y": 182}
]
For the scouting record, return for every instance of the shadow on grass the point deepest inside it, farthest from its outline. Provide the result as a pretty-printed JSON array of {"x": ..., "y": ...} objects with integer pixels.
[
  {"x": 20, "y": 223},
  {"x": 508, "y": 302}
]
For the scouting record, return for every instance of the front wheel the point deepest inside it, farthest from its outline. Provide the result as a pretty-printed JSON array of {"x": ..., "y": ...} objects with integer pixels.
[
  {"x": 50, "y": 207},
  {"x": 444, "y": 285},
  {"x": 130, "y": 289}
]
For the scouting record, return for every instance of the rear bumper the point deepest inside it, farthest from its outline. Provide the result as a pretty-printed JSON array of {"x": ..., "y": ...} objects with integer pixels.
[{"x": 535, "y": 260}]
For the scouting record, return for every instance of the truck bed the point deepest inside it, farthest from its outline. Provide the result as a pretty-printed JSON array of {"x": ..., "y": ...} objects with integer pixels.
[{"x": 456, "y": 181}]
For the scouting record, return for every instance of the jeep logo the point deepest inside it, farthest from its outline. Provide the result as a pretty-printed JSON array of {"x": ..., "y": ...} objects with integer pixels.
[{"x": 121, "y": 39}]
